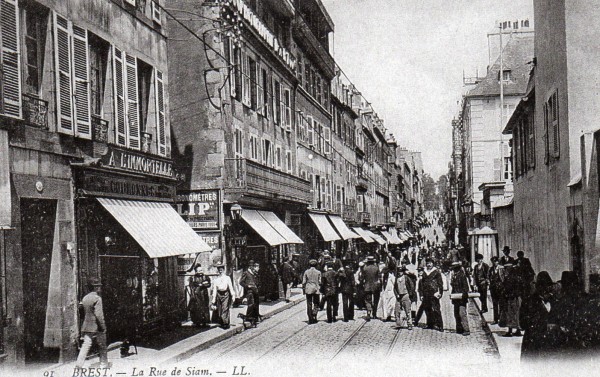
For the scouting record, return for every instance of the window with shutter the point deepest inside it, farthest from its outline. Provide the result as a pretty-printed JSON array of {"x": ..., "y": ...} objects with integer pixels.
[
  {"x": 497, "y": 169},
  {"x": 132, "y": 112},
  {"x": 555, "y": 125},
  {"x": 81, "y": 83},
  {"x": 288, "y": 160},
  {"x": 160, "y": 112},
  {"x": 156, "y": 12},
  {"x": 260, "y": 94},
  {"x": 265, "y": 88},
  {"x": 11, "y": 70},
  {"x": 64, "y": 99},
  {"x": 311, "y": 132},
  {"x": 327, "y": 141},
  {"x": 246, "y": 87},
  {"x": 119, "y": 89},
  {"x": 34, "y": 34},
  {"x": 288, "y": 109},
  {"x": 277, "y": 102},
  {"x": 531, "y": 140},
  {"x": 252, "y": 84},
  {"x": 546, "y": 141}
]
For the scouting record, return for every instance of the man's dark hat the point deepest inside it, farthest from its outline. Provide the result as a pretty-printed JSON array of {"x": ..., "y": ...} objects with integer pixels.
[
  {"x": 506, "y": 248},
  {"x": 543, "y": 281},
  {"x": 401, "y": 268},
  {"x": 478, "y": 257},
  {"x": 94, "y": 282},
  {"x": 428, "y": 259}
]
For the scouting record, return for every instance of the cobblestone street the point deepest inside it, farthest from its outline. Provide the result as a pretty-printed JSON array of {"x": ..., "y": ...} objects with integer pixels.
[{"x": 287, "y": 339}]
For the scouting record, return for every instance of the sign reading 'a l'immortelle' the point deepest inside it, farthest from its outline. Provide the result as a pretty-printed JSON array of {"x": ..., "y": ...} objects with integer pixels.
[{"x": 138, "y": 163}]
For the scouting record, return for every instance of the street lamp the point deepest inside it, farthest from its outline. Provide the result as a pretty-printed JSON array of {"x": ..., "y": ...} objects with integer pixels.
[{"x": 236, "y": 212}]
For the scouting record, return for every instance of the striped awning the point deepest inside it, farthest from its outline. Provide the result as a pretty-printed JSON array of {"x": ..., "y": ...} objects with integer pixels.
[
  {"x": 263, "y": 227},
  {"x": 364, "y": 235},
  {"x": 391, "y": 237},
  {"x": 280, "y": 227},
  {"x": 342, "y": 229},
  {"x": 156, "y": 227},
  {"x": 321, "y": 222},
  {"x": 395, "y": 238}
]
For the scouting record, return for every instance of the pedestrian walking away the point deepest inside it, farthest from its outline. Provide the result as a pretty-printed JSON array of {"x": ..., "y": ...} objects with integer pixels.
[
  {"x": 481, "y": 280},
  {"x": 311, "y": 283},
  {"x": 329, "y": 284},
  {"x": 93, "y": 328},
  {"x": 288, "y": 275},
  {"x": 347, "y": 287},
  {"x": 372, "y": 287},
  {"x": 512, "y": 298},
  {"x": 404, "y": 290},
  {"x": 249, "y": 281},
  {"x": 223, "y": 296},
  {"x": 460, "y": 298}
]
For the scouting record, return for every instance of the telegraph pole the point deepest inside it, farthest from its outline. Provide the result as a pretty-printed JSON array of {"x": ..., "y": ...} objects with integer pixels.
[{"x": 501, "y": 105}]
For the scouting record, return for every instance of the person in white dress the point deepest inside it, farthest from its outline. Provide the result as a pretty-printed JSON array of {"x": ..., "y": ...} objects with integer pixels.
[{"x": 223, "y": 296}]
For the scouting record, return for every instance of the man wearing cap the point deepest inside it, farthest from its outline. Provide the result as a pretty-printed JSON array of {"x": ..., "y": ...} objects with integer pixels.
[
  {"x": 404, "y": 290},
  {"x": 460, "y": 298},
  {"x": 223, "y": 296},
  {"x": 433, "y": 288},
  {"x": 249, "y": 281},
  {"x": 93, "y": 326},
  {"x": 311, "y": 282},
  {"x": 372, "y": 287},
  {"x": 482, "y": 280}
]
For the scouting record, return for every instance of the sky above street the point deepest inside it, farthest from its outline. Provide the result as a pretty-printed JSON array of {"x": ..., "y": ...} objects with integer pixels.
[{"x": 407, "y": 58}]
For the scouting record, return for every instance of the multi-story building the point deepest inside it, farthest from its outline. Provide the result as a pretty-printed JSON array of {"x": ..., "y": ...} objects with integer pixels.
[
  {"x": 555, "y": 146},
  {"x": 86, "y": 173},
  {"x": 485, "y": 110}
]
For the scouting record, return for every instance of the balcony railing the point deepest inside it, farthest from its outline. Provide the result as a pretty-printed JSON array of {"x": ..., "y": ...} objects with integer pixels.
[
  {"x": 35, "y": 111},
  {"x": 253, "y": 178}
]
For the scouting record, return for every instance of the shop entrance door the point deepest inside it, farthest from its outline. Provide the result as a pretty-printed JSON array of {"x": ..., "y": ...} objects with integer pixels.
[
  {"x": 121, "y": 293},
  {"x": 38, "y": 217}
]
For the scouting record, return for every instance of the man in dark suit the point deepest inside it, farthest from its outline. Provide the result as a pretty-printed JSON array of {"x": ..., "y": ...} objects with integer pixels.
[
  {"x": 506, "y": 258},
  {"x": 433, "y": 288},
  {"x": 460, "y": 289},
  {"x": 482, "y": 280},
  {"x": 94, "y": 326},
  {"x": 288, "y": 274},
  {"x": 249, "y": 281},
  {"x": 347, "y": 285},
  {"x": 372, "y": 287},
  {"x": 329, "y": 288}
]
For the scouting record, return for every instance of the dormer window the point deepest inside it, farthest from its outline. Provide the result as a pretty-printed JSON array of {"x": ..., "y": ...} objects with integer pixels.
[{"x": 506, "y": 75}]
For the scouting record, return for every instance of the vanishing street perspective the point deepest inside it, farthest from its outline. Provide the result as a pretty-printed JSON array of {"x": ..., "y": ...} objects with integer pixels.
[{"x": 299, "y": 187}]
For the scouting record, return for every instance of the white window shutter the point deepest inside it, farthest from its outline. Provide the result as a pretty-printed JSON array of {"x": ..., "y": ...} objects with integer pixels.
[
  {"x": 119, "y": 91},
  {"x": 11, "y": 75},
  {"x": 156, "y": 12},
  {"x": 81, "y": 84},
  {"x": 327, "y": 141},
  {"x": 288, "y": 109},
  {"x": 160, "y": 114},
  {"x": 133, "y": 116},
  {"x": 64, "y": 99},
  {"x": 232, "y": 68}
]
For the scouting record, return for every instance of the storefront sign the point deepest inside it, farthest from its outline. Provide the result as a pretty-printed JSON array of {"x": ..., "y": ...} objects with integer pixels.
[
  {"x": 265, "y": 33},
  {"x": 212, "y": 239},
  {"x": 100, "y": 183},
  {"x": 137, "y": 162},
  {"x": 201, "y": 209}
]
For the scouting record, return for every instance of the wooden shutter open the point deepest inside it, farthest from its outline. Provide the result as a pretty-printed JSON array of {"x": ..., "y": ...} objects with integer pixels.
[
  {"x": 160, "y": 114},
  {"x": 119, "y": 88},
  {"x": 64, "y": 99},
  {"x": 81, "y": 83},
  {"x": 11, "y": 72},
  {"x": 132, "y": 111}
]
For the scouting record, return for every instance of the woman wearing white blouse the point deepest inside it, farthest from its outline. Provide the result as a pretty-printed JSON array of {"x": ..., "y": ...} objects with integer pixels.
[{"x": 223, "y": 296}]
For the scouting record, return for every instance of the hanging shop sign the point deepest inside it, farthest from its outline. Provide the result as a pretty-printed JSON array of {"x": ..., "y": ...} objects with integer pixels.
[
  {"x": 201, "y": 209},
  {"x": 136, "y": 162},
  {"x": 212, "y": 239}
]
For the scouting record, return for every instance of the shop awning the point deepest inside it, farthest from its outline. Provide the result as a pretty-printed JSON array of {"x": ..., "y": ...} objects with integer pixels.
[
  {"x": 280, "y": 227},
  {"x": 377, "y": 239},
  {"x": 364, "y": 235},
  {"x": 156, "y": 227},
  {"x": 342, "y": 229},
  {"x": 263, "y": 227},
  {"x": 327, "y": 232},
  {"x": 387, "y": 236},
  {"x": 395, "y": 238}
]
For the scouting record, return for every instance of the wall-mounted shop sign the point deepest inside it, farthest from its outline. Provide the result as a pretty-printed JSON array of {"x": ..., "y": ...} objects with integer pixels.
[
  {"x": 265, "y": 33},
  {"x": 137, "y": 162},
  {"x": 201, "y": 209},
  {"x": 101, "y": 183}
]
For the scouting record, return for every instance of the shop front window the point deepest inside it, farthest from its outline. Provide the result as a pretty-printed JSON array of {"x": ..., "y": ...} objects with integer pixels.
[{"x": 150, "y": 289}]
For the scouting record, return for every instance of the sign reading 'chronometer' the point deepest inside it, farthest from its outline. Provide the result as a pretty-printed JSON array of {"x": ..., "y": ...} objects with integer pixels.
[{"x": 201, "y": 209}]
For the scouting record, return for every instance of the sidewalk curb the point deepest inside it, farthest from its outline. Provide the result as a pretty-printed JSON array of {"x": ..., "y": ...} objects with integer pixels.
[
  {"x": 486, "y": 328},
  {"x": 188, "y": 352}
]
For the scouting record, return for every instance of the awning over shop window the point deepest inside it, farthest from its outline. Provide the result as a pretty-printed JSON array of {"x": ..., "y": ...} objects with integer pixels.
[
  {"x": 395, "y": 238},
  {"x": 377, "y": 239},
  {"x": 326, "y": 230},
  {"x": 387, "y": 236},
  {"x": 263, "y": 227},
  {"x": 280, "y": 227},
  {"x": 342, "y": 229},
  {"x": 390, "y": 237},
  {"x": 364, "y": 235},
  {"x": 156, "y": 227}
]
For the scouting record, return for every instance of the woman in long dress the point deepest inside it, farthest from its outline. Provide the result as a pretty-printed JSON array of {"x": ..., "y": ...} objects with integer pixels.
[
  {"x": 199, "y": 300},
  {"x": 388, "y": 299},
  {"x": 223, "y": 296}
]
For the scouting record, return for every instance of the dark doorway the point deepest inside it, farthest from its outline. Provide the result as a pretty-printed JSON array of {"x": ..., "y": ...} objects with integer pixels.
[
  {"x": 121, "y": 294},
  {"x": 38, "y": 217}
]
